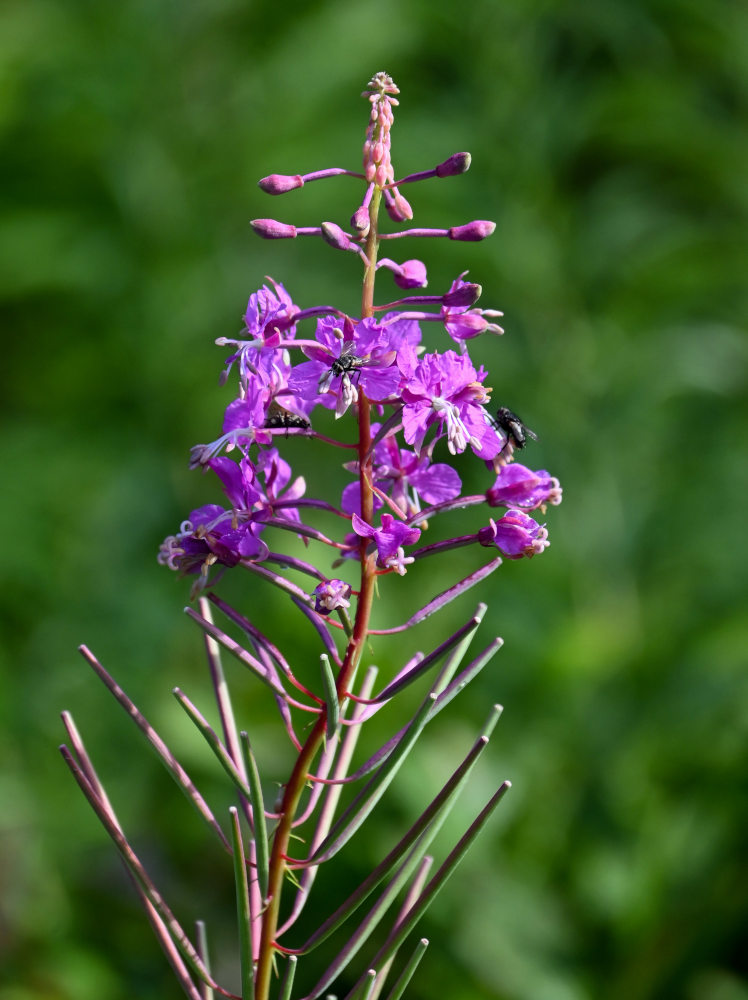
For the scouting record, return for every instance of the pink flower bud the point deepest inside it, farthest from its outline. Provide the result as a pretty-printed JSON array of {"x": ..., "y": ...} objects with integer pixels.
[
  {"x": 403, "y": 206},
  {"x": 458, "y": 163},
  {"x": 412, "y": 274},
  {"x": 473, "y": 231},
  {"x": 280, "y": 183},
  {"x": 398, "y": 208},
  {"x": 463, "y": 296},
  {"x": 271, "y": 229},
  {"x": 360, "y": 220},
  {"x": 336, "y": 237}
]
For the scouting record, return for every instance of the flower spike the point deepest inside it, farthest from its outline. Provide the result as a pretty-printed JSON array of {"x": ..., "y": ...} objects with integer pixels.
[{"x": 414, "y": 414}]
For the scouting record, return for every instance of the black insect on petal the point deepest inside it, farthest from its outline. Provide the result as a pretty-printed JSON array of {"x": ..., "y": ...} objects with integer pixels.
[
  {"x": 277, "y": 417},
  {"x": 346, "y": 363},
  {"x": 511, "y": 426}
]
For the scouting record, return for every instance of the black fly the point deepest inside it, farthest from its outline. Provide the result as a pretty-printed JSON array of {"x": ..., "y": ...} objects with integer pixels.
[
  {"x": 512, "y": 427},
  {"x": 278, "y": 417},
  {"x": 344, "y": 365}
]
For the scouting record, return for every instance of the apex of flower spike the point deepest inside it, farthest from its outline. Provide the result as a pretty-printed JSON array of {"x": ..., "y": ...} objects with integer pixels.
[
  {"x": 379, "y": 85},
  {"x": 377, "y": 163}
]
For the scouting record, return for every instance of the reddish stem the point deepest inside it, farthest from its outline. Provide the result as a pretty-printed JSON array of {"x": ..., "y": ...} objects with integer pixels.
[{"x": 300, "y": 773}]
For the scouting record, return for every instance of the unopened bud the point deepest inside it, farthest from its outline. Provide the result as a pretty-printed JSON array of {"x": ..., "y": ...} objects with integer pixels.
[
  {"x": 336, "y": 237},
  {"x": 464, "y": 296},
  {"x": 280, "y": 183},
  {"x": 473, "y": 232},
  {"x": 458, "y": 163},
  {"x": 398, "y": 208},
  {"x": 331, "y": 595},
  {"x": 412, "y": 274},
  {"x": 360, "y": 220},
  {"x": 271, "y": 229}
]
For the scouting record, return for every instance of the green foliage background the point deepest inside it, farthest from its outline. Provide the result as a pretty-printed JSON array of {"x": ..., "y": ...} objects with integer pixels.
[{"x": 609, "y": 142}]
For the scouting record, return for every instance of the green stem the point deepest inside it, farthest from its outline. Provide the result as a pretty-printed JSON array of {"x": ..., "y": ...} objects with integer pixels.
[
  {"x": 297, "y": 781},
  {"x": 371, "y": 250}
]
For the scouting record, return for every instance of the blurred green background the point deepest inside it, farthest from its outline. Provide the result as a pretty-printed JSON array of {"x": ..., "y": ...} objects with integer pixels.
[{"x": 609, "y": 143}]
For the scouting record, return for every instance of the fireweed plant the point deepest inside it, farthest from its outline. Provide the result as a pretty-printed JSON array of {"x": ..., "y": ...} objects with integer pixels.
[{"x": 404, "y": 409}]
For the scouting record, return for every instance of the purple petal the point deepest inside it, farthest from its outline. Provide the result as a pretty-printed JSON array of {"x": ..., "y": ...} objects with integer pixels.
[
  {"x": 380, "y": 383},
  {"x": 436, "y": 483}
]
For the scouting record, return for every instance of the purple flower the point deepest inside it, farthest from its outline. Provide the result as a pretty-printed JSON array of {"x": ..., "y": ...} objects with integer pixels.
[
  {"x": 269, "y": 313},
  {"x": 446, "y": 390},
  {"x": 351, "y": 497},
  {"x": 515, "y": 534},
  {"x": 212, "y": 534},
  {"x": 405, "y": 476},
  {"x": 388, "y": 539},
  {"x": 277, "y": 475},
  {"x": 330, "y": 596},
  {"x": 518, "y": 486},
  {"x": 408, "y": 477},
  {"x": 464, "y": 323},
  {"x": 348, "y": 357},
  {"x": 247, "y": 413},
  {"x": 239, "y": 482}
]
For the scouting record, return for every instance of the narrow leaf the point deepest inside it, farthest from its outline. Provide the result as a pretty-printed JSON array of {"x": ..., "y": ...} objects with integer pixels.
[
  {"x": 242, "y": 908},
  {"x": 411, "y": 895},
  {"x": 258, "y": 813},
  {"x": 160, "y": 929},
  {"x": 442, "y": 599},
  {"x": 221, "y": 690},
  {"x": 367, "y": 987},
  {"x": 331, "y": 696},
  {"x": 211, "y": 738},
  {"x": 202, "y": 950},
  {"x": 460, "y": 639},
  {"x": 139, "y": 873},
  {"x": 431, "y": 819},
  {"x": 287, "y": 984},
  {"x": 361, "y": 807},
  {"x": 406, "y": 975},
  {"x": 401, "y": 931},
  {"x": 167, "y": 758}
]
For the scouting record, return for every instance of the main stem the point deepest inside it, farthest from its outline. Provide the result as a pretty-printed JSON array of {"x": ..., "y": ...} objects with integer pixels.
[{"x": 297, "y": 781}]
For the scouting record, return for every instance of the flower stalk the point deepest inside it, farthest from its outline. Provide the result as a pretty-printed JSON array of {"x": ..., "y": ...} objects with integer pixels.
[{"x": 406, "y": 409}]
